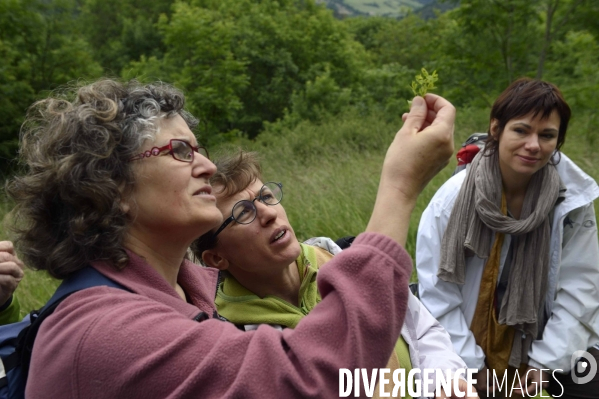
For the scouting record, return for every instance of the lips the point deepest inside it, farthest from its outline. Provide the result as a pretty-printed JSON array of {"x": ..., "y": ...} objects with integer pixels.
[
  {"x": 278, "y": 234},
  {"x": 528, "y": 159},
  {"x": 206, "y": 190}
]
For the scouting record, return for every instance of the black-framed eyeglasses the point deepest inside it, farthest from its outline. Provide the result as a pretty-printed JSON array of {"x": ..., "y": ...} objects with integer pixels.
[
  {"x": 244, "y": 211},
  {"x": 181, "y": 150}
]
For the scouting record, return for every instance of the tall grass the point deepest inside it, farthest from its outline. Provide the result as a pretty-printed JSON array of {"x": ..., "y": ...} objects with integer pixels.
[
  {"x": 330, "y": 173},
  {"x": 332, "y": 192},
  {"x": 36, "y": 287}
]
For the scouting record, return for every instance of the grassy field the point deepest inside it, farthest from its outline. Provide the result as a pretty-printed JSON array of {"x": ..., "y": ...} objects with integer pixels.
[{"x": 330, "y": 175}]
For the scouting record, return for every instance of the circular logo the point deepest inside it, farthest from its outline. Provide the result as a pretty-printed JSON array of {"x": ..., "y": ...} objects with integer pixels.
[{"x": 584, "y": 367}]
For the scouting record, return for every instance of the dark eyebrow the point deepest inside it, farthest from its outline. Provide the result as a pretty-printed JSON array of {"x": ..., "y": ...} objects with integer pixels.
[
  {"x": 526, "y": 125},
  {"x": 550, "y": 130}
]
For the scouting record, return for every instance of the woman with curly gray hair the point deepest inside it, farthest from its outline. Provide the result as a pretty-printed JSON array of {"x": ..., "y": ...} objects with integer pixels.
[{"x": 117, "y": 182}]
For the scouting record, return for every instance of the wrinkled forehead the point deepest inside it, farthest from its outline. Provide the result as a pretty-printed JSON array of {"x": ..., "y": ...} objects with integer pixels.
[
  {"x": 174, "y": 126},
  {"x": 225, "y": 203}
]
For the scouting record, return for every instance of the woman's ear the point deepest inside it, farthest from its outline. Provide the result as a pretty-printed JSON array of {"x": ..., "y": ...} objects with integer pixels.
[
  {"x": 494, "y": 129},
  {"x": 124, "y": 199},
  {"x": 124, "y": 205},
  {"x": 211, "y": 258}
]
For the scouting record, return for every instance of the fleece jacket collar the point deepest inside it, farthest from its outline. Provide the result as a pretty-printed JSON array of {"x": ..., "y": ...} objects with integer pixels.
[{"x": 199, "y": 284}]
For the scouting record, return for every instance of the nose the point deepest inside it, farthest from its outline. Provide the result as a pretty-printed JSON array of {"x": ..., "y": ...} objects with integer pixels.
[
  {"x": 202, "y": 166},
  {"x": 532, "y": 143},
  {"x": 266, "y": 214}
]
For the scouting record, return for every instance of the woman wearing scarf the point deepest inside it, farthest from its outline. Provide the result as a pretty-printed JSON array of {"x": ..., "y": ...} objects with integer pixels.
[{"x": 507, "y": 251}]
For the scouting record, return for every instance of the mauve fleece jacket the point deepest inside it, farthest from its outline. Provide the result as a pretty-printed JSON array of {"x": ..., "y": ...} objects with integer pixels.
[{"x": 109, "y": 343}]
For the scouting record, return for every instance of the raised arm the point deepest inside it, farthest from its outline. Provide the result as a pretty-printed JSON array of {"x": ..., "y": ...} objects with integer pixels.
[{"x": 421, "y": 148}]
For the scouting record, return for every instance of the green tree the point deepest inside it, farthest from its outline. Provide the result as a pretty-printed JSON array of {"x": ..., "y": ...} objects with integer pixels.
[
  {"x": 121, "y": 31},
  {"x": 320, "y": 98},
  {"x": 287, "y": 43},
  {"x": 59, "y": 52},
  {"x": 241, "y": 61},
  {"x": 410, "y": 41},
  {"x": 503, "y": 25},
  {"x": 200, "y": 60},
  {"x": 485, "y": 45},
  {"x": 40, "y": 49},
  {"x": 557, "y": 14},
  {"x": 17, "y": 25},
  {"x": 574, "y": 66}
]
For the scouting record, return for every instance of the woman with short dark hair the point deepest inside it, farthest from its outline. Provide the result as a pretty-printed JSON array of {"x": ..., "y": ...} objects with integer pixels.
[
  {"x": 117, "y": 181},
  {"x": 507, "y": 252}
]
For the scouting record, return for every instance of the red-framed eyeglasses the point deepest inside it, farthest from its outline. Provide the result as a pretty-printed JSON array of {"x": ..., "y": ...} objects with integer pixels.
[{"x": 181, "y": 150}]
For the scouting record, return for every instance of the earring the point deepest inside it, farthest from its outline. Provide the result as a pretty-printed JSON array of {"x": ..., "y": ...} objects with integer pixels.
[{"x": 556, "y": 157}]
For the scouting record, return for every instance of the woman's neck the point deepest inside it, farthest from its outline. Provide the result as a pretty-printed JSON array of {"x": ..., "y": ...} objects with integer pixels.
[
  {"x": 515, "y": 192},
  {"x": 166, "y": 261},
  {"x": 284, "y": 284},
  {"x": 514, "y": 186}
]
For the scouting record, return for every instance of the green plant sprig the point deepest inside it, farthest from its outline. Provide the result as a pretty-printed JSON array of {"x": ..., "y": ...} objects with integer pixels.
[{"x": 423, "y": 83}]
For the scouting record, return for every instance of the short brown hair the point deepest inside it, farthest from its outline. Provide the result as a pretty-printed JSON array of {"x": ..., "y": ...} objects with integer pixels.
[
  {"x": 234, "y": 173},
  {"x": 525, "y": 96},
  {"x": 77, "y": 145}
]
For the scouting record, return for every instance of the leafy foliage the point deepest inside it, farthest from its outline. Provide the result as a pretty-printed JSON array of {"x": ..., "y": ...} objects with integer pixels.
[
  {"x": 247, "y": 66},
  {"x": 242, "y": 61},
  {"x": 40, "y": 49},
  {"x": 424, "y": 82},
  {"x": 121, "y": 31}
]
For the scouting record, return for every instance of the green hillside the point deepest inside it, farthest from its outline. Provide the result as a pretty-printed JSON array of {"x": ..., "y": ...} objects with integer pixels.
[{"x": 388, "y": 8}]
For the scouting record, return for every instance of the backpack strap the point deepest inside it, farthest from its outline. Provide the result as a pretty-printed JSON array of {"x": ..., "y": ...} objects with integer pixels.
[
  {"x": 219, "y": 280},
  {"x": 87, "y": 277},
  {"x": 345, "y": 242}
]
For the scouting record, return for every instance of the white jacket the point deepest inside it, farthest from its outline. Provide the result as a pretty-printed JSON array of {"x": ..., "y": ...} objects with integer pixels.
[
  {"x": 429, "y": 344},
  {"x": 572, "y": 300}
]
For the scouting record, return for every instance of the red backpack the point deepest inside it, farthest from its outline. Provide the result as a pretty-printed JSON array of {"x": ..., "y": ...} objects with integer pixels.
[{"x": 470, "y": 148}]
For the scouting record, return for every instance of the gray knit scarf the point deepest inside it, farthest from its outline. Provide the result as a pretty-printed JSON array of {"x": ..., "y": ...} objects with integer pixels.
[{"x": 476, "y": 217}]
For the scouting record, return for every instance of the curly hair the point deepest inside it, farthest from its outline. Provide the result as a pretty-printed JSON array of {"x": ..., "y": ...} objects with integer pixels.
[
  {"x": 76, "y": 146},
  {"x": 525, "y": 96},
  {"x": 234, "y": 173}
]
